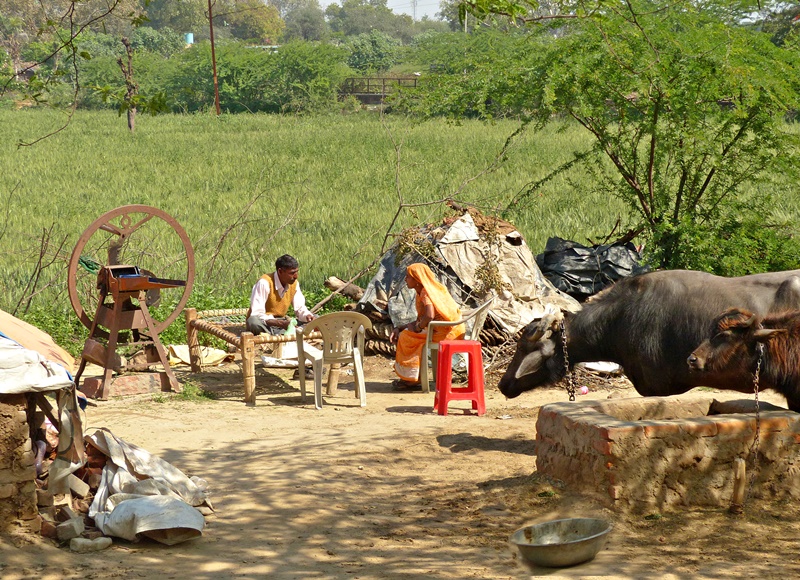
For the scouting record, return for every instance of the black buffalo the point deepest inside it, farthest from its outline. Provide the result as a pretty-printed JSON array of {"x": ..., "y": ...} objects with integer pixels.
[
  {"x": 742, "y": 343},
  {"x": 648, "y": 324}
]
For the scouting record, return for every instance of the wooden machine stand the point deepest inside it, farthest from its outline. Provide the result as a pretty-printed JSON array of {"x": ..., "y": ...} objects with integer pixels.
[{"x": 123, "y": 284}]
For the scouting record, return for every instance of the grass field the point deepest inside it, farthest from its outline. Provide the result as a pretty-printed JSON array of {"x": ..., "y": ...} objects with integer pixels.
[
  {"x": 341, "y": 177},
  {"x": 248, "y": 188}
]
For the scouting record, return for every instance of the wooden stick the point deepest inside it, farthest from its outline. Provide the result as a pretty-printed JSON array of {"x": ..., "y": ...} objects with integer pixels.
[
  {"x": 739, "y": 481},
  {"x": 350, "y": 290},
  {"x": 333, "y": 379}
]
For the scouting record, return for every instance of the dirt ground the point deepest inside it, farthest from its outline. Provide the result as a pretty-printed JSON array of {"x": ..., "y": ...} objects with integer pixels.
[{"x": 392, "y": 490}]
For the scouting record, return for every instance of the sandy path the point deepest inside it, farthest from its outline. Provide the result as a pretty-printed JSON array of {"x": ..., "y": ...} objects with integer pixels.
[{"x": 387, "y": 491}]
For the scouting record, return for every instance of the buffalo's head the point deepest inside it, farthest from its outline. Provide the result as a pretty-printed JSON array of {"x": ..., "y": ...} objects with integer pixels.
[
  {"x": 731, "y": 351},
  {"x": 539, "y": 358}
]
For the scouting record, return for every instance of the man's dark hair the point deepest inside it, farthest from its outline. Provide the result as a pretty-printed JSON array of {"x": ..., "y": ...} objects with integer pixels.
[{"x": 286, "y": 262}]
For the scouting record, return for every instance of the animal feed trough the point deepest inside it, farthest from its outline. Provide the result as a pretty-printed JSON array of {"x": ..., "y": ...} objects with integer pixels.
[{"x": 656, "y": 452}]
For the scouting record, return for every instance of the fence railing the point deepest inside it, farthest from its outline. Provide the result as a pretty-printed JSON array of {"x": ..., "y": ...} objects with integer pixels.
[{"x": 373, "y": 89}]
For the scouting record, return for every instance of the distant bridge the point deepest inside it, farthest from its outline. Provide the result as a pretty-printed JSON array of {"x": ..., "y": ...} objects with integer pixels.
[{"x": 373, "y": 90}]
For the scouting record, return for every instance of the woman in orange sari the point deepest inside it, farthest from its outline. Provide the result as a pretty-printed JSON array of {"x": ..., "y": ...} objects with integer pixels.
[{"x": 433, "y": 303}]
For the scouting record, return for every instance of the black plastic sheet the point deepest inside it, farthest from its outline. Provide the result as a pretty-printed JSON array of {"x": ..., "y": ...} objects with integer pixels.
[{"x": 582, "y": 271}]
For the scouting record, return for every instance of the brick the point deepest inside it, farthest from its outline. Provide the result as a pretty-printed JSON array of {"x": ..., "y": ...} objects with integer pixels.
[
  {"x": 621, "y": 432},
  {"x": 661, "y": 430},
  {"x": 49, "y": 529},
  {"x": 727, "y": 426},
  {"x": 601, "y": 446},
  {"x": 773, "y": 424},
  {"x": 702, "y": 428}
]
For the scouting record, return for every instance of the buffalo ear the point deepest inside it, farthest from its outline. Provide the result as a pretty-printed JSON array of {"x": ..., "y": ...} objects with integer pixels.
[
  {"x": 764, "y": 334},
  {"x": 530, "y": 364},
  {"x": 534, "y": 360}
]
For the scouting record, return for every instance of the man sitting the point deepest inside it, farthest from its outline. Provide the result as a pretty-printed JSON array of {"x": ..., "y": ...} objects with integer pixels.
[{"x": 271, "y": 297}]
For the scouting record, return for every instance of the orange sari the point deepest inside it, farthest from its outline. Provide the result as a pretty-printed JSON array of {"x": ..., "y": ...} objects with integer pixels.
[{"x": 409, "y": 344}]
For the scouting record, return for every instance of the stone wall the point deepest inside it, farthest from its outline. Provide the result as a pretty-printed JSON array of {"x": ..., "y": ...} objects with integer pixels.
[
  {"x": 656, "y": 452},
  {"x": 17, "y": 471}
]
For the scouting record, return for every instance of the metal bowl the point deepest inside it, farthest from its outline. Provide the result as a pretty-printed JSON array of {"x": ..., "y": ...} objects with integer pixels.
[{"x": 562, "y": 543}]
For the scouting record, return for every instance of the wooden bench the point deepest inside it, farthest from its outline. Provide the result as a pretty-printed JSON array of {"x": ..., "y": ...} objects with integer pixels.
[{"x": 229, "y": 325}]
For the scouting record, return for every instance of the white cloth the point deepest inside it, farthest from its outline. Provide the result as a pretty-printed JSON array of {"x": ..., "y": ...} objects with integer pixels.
[{"x": 258, "y": 299}]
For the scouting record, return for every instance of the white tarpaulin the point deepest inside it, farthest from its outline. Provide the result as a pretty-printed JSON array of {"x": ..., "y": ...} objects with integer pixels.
[
  {"x": 27, "y": 371},
  {"x": 461, "y": 250},
  {"x": 141, "y": 494}
]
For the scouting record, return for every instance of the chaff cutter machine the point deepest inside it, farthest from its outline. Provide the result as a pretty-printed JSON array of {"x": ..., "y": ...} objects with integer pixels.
[{"x": 121, "y": 295}]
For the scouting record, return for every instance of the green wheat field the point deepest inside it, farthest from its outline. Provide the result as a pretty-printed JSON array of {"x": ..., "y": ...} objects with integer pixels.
[{"x": 331, "y": 190}]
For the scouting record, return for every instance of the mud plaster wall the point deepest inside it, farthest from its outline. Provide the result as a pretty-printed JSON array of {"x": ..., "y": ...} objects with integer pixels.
[
  {"x": 658, "y": 452},
  {"x": 17, "y": 471}
]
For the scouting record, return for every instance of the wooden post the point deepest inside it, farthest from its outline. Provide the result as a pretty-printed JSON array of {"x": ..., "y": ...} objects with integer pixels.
[
  {"x": 249, "y": 368},
  {"x": 739, "y": 481},
  {"x": 168, "y": 378},
  {"x": 195, "y": 357},
  {"x": 333, "y": 379}
]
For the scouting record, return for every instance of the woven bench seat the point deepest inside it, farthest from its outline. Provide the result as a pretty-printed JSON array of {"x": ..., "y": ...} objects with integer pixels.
[{"x": 229, "y": 325}]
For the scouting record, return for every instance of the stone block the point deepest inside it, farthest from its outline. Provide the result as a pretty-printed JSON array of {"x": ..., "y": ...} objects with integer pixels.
[
  {"x": 78, "y": 486},
  {"x": 17, "y": 475},
  {"x": 8, "y": 490},
  {"x": 44, "y": 498},
  {"x": 84, "y": 545},
  {"x": 65, "y": 513},
  {"x": 48, "y": 513},
  {"x": 70, "y": 529},
  {"x": 27, "y": 458}
]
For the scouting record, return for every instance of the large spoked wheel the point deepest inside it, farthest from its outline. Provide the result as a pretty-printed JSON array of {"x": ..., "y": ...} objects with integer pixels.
[{"x": 135, "y": 235}]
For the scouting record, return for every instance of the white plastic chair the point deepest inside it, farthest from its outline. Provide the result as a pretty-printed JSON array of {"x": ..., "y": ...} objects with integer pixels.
[
  {"x": 343, "y": 342},
  {"x": 477, "y": 316}
]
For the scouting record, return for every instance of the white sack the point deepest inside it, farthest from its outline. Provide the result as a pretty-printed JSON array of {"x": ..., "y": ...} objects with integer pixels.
[
  {"x": 140, "y": 493},
  {"x": 165, "y": 519}
]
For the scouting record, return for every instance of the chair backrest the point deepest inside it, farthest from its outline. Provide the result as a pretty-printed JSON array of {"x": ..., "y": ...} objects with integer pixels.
[
  {"x": 338, "y": 329},
  {"x": 475, "y": 319}
]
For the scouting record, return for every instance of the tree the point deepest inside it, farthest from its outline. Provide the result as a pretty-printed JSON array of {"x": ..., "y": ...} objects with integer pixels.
[
  {"x": 373, "y": 52},
  {"x": 685, "y": 110},
  {"x": 250, "y": 20},
  {"x": 306, "y": 22},
  {"x": 780, "y": 22},
  {"x": 179, "y": 15},
  {"x": 355, "y": 17}
]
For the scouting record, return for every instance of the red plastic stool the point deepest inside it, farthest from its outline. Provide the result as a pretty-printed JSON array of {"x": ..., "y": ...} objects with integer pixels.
[{"x": 444, "y": 376}]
